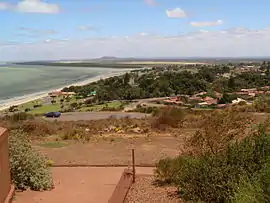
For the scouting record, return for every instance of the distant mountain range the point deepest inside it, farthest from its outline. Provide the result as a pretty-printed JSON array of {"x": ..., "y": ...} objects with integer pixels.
[{"x": 113, "y": 59}]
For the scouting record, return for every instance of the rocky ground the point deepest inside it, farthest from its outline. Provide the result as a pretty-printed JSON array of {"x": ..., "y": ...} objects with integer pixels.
[{"x": 144, "y": 190}]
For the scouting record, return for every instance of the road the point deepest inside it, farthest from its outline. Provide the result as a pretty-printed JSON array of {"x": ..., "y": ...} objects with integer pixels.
[
  {"x": 134, "y": 104},
  {"x": 76, "y": 116}
]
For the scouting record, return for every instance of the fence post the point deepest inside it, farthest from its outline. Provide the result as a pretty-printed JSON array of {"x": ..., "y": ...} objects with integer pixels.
[{"x": 133, "y": 165}]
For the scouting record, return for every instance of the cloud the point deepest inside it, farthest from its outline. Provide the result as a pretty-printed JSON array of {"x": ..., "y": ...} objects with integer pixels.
[
  {"x": 176, "y": 13},
  {"x": 31, "y": 32},
  {"x": 37, "y": 31},
  {"x": 88, "y": 27},
  {"x": 237, "y": 42},
  {"x": 37, "y": 6},
  {"x": 143, "y": 34},
  {"x": 31, "y": 6},
  {"x": 207, "y": 23},
  {"x": 151, "y": 2},
  {"x": 4, "y": 6}
]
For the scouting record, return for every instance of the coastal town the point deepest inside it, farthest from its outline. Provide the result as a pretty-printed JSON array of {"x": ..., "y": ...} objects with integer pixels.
[
  {"x": 72, "y": 99},
  {"x": 168, "y": 108},
  {"x": 143, "y": 101}
]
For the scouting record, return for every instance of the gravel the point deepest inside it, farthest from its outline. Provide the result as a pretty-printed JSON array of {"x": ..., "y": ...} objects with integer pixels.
[{"x": 145, "y": 191}]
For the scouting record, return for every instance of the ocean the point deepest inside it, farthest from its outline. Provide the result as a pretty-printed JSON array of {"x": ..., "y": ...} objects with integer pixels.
[{"x": 19, "y": 81}]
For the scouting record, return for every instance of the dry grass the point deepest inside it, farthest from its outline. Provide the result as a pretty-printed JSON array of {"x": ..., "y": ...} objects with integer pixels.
[
  {"x": 218, "y": 129},
  {"x": 169, "y": 121}
]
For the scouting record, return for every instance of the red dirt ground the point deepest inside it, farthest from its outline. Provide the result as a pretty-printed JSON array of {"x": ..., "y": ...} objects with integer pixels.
[
  {"x": 78, "y": 184},
  {"x": 118, "y": 151}
]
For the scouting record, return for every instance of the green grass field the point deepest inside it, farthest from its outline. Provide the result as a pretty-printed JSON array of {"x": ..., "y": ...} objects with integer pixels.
[
  {"x": 49, "y": 107},
  {"x": 46, "y": 108},
  {"x": 115, "y": 104}
]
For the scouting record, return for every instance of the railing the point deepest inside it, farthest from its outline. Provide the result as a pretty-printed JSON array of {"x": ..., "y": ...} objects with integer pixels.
[{"x": 5, "y": 181}]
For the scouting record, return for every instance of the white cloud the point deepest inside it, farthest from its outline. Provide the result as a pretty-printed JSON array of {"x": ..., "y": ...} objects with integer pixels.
[
  {"x": 176, "y": 13},
  {"x": 143, "y": 34},
  {"x": 37, "y": 6},
  {"x": 151, "y": 2},
  {"x": 207, "y": 23},
  {"x": 31, "y": 6},
  {"x": 4, "y": 6},
  {"x": 223, "y": 43},
  {"x": 38, "y": 32},
  {"x": 88, "y": 27}
]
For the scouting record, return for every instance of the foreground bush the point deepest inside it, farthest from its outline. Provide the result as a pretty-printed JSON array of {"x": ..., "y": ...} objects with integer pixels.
[
  {"x": 218, "y": 129},
  {"x": 239, "y": 174},
  {"x": 29, "y": 169}
]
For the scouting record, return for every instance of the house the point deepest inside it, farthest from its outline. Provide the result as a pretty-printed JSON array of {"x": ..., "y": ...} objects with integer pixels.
[
  {"x": 201, "y": 93},
  {"x": 248, "y": 90},
  {"x": 210, "y": 100},
  {"x": 173, "y": 100},
  {"x": 238, "y": 100},
  {"x": 222, "y": 105},
  {"x": 202, "y": 104},
  {"x": 195, "y": 98},
  {"x": 93, "y": 93}
]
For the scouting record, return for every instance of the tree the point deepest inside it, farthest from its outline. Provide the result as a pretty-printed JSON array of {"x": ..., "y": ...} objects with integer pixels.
[
  {"x": 231, "y": 84},
  {"x": 226, "y": 98}
]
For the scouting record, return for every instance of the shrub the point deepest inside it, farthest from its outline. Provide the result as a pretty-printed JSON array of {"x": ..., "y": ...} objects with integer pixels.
[
  {"x": 18, "y": 117},
  {"x": 29, "y": 169},
  {"x": 148, "y": 110},
  {"x": 248, "y": 191},
  {"x": 217, "y": 130},
  {"x": 27, "y": 109},
  {"x": 170, "y": 116},
  {"x": 37, "y": 105},
  {"x": 222, "y": 176},
  {"x": 262, "y": 104},
  {"x": 167, "y": 169}
]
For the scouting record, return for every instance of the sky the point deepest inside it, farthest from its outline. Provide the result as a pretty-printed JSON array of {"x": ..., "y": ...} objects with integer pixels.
[{"x": 85, "y": 29}]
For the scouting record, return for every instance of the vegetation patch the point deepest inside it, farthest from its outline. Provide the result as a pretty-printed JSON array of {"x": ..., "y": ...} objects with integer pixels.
[
  {"x": 236, "y": 172},
  {"x": 29, "y": 169},
  {"x": 53, "y": 144}
]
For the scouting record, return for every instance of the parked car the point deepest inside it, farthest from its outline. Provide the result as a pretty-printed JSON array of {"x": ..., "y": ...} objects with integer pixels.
[{"x": 52, "y": 114}]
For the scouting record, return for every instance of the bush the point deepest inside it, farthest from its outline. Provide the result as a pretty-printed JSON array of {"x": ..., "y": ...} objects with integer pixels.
[
  {"x": 217, "y": 130},
  {"x": 148, "y": 110},
  {"x": 167, "y": 169},
  {"x": 37, "y": 105},
  {"x": 222, "y": 176},
  {"x": 18, "y": 117},
  {"x": 248, "y": 191},
  {"x": 29, "y": 169},
  {"x": 27, "y": 109},
  {"x": 171, "y": 116}
]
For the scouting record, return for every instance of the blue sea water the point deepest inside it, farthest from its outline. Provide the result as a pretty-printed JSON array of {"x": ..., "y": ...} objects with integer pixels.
[{"x": 18, "y": 81}]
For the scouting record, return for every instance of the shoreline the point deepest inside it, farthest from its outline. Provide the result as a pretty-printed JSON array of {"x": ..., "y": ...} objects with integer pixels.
[{"x": 24, "y": 99}]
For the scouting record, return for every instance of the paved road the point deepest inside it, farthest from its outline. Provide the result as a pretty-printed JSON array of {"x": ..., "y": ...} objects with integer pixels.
[
  {"x": 76, "y": 116},
  {"x": 134, "y": 104}
]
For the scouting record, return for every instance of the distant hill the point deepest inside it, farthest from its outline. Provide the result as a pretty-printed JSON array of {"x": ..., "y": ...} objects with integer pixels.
[{"x": 113, "y": 60}]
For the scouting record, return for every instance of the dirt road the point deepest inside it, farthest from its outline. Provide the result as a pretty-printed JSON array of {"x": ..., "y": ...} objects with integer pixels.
[{"x": 76, "y": 116}]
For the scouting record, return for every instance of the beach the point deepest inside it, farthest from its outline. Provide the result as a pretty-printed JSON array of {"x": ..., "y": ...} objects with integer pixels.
[{"x": 40, "y": 95}]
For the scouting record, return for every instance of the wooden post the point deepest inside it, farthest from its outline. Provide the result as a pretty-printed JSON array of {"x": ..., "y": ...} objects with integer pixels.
[{"x": 133, "y": 165}]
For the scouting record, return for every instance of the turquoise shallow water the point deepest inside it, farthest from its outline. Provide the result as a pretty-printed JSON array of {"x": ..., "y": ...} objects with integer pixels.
[{"x": 20, "y": 81}]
